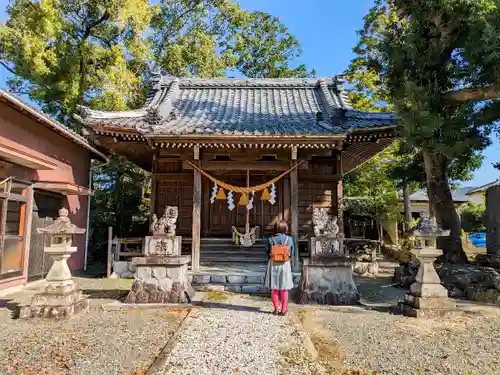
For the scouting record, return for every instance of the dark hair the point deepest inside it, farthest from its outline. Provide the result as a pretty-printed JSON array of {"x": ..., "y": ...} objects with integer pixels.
[{"x": 281, "y": 227}]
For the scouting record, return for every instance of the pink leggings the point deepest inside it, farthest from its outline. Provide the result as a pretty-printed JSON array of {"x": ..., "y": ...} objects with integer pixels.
[{"x": 283, "y": 297}]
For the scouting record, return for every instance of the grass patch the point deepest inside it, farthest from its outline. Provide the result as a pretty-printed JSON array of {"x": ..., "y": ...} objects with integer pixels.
[
  {"x": 330, "y": 354},
  {"x": 217, "y": 296}
]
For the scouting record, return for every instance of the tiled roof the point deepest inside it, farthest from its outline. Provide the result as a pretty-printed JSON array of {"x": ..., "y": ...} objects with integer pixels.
[
  {"x": 242, "y": 107},
  {"x": 459, "y": 195}
]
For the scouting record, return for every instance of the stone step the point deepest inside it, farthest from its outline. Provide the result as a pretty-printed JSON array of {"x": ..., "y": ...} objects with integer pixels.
[
  {"x": 233, "y": 259},
  {"x": 210, "y": 279},
  {"x": 235, "y": 249}
]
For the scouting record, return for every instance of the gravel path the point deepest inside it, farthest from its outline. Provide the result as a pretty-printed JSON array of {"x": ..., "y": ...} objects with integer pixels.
[
  {"x": 238, "y": 335},
  {"x": 467, "y": 342},
  {"x": 123, "y": 342}
]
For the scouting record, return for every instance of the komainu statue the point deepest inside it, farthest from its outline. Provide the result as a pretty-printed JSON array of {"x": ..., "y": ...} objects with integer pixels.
[
  {"x": 166, "y": 224},
  {"x": 323, "y": 224}
]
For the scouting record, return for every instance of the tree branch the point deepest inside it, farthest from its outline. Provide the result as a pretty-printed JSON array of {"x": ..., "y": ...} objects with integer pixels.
[
  {"x": 474, "y": 94},
  {"x": 4, "y": 64}
]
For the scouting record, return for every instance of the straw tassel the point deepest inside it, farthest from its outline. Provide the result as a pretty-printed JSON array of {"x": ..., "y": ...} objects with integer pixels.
[
  {"x": 265, "y": 195},
  {"x": 243, "y": 200},
  {"x": 221, "y": 195}
]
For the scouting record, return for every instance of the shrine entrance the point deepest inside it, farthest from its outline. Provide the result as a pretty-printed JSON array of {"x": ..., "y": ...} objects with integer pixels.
[{"x": 219, "y": 220}]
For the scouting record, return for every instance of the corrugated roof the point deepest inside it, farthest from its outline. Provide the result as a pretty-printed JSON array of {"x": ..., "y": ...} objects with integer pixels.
[
  {"x": 50, "y": 122},
  {"x": 459, "y": 195},
  {"x": 485, "y": 187},
  {"x": 232, "y": 106}
]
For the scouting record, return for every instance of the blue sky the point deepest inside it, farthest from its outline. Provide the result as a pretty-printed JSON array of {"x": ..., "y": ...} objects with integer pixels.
[{"x": 326, "y": 30}]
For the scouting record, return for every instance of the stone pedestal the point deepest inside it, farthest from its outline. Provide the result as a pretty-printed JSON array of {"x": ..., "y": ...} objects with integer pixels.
[
  {"x": 162, "y": 245},
  {"x": 427, "y": 297},
  {"x": 327, "y": 281},
  {"x": 162, "y": 275},
  {"x": 59, "y": 297}
]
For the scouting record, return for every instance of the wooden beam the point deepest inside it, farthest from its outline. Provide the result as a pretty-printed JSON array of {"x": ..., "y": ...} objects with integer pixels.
[
  {"x": 196, "y": 232},
  {"x": 294, "y": 208},
  {"x": 251, "y": 166},
  {"x": 110, "y": 246}
]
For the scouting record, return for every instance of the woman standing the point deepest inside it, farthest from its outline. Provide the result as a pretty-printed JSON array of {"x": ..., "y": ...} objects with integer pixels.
[{"x": 279, "y": 276}]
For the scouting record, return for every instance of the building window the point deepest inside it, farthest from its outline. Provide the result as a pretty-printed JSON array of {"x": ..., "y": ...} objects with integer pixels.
[
  {"x": 12, "y": 229},
  {"x": 268, "y": 158}
]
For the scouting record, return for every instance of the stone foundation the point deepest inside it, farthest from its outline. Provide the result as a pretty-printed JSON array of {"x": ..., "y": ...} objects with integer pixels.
[
  {"x": 427, "y": 307},
  {"x": 159, "y": 291},
  {"x": 56, "y": 301},
  {"x": 161, "y": 279},
  {"x": 327, "y": 281}
]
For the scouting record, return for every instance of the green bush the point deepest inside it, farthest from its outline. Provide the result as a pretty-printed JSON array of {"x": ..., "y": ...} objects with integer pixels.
[{"x": 472, "y": 217}]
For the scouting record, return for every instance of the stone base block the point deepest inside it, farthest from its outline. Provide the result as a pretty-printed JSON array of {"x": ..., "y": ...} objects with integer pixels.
[
  {"x": 327, "y": 281},
  {"x": 150, "y": 291},
  {"x": 54, "y": 306},
  {"x": 427, "y": 307}
]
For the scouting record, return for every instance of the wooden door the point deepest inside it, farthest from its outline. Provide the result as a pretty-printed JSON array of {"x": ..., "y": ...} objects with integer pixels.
[
  {"x": 268, "y": 214},
  {"x": 180, "y": 194},
  {"x": 221, "y": 219}
]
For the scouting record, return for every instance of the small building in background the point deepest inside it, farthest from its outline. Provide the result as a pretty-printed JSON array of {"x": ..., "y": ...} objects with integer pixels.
[{"x": 43, "y": 166}]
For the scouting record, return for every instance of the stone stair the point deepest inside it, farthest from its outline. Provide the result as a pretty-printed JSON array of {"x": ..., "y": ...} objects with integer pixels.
[{"x": 222, "y": 250}]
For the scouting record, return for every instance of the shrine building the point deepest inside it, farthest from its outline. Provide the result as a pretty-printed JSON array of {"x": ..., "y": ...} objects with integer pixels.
[{"x": 192, "y": 133}]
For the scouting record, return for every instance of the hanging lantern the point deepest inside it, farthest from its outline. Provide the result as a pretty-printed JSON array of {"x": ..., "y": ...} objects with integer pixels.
[
  {"x": 221, "y": 195},
  {"x": 265, "y": 195},
  {"x": 243, "y": 199}
]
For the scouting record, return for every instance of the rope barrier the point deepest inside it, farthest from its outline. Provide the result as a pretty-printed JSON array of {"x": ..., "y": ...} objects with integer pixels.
[{"x": 243, "y": 190}]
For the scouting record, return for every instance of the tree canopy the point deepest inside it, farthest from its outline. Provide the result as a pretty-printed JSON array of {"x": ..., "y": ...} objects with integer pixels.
[{"x": 434, "y": 61}]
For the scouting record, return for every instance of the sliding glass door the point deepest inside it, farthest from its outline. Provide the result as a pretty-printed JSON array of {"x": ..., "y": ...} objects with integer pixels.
[{"x": 13, "y": 201}]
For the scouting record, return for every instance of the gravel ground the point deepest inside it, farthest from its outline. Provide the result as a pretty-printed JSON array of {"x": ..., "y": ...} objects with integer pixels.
[
  {"x": 238, "y": 335},
  {"x": 97, "y": 342},
  {"x": 368, "y": 340}
]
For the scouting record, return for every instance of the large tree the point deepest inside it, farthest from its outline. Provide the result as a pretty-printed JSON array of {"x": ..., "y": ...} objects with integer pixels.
[
  {"x": 435, "y": 61},
  {"x": 101, "y": 53}
]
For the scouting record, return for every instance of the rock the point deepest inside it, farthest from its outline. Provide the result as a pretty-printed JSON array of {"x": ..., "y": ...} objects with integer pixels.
[
  {"x": 236, "y": 279},
  {"x": 120, "y": 267},
  {"x": 218, "y": 279},
  {"x": 201, "y": 279},
  {"x": 456, "y": 293}
]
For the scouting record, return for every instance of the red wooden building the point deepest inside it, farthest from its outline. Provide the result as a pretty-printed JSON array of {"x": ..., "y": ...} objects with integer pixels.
[
  {"x": 244, "y": 132},
  {"x": 43, "y": 166}
]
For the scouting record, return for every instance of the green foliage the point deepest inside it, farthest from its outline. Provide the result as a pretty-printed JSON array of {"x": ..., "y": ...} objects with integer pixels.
[
  {"x": 65, "y": 52},
  {"x": 206, "y": 38},
  {"x": 473, "y": 217},
  {"x": 121, "y": 201},
  {"x": 370, "y": 191}
]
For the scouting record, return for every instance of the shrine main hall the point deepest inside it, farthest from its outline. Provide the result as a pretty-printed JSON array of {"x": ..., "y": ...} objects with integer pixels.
[{"x": 283, "y": 143}]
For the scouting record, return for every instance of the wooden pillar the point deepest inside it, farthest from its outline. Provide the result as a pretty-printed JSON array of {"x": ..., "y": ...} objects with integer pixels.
[
  {"x": 294, "y": 208},
  {"x": 247, "y": 211},
  {"x": 340, "y": 193},
  {"x": 196, "y": 235},
  {"x": 154, "y": 170}
]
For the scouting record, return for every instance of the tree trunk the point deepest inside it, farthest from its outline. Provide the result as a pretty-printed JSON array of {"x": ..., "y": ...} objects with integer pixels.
[
  {"x": 493, "y": 221},
  {"x": 407, "y": 207},
  {"x": 440, "y": 198}
]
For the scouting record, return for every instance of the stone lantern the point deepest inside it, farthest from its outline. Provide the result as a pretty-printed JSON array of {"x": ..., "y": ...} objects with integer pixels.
[
  {"x": 59, "y": 297},
  {"x": 427, "y": 296}
]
